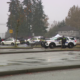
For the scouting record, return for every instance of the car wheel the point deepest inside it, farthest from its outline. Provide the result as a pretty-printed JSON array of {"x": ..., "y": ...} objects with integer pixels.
[
  {"x": 52, "y": 45},
  {"x": 12, "y": 44},
  {"x": 42, "y": 44},
  {"x": 70, "y": 45},
  {"x": 27, "y": 43}
]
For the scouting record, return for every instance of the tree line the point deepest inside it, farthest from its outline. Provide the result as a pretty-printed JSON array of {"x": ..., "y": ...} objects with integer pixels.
[
  {"x": 30, "y": 13},
  {"x": 26, "y": 18},
  {"x": 71, "y": 20}
]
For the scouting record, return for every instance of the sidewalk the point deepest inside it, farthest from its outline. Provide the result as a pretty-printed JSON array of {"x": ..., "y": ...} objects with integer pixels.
[
  {"x": 19, "y": 69},
  {"x": 40, "y": 64}
]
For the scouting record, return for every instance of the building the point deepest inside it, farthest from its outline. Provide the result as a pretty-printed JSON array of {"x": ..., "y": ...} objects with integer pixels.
[
  {"x": 69, "y": 31},
  {"x": 72, "y": 33}
]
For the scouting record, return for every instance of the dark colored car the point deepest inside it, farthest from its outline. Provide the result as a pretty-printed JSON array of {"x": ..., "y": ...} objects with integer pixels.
[{"x": 22, "y": 40}]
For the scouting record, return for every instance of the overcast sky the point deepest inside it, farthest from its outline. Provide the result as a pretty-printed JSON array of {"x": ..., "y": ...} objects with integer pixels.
[{"x": 55, "y": 10}]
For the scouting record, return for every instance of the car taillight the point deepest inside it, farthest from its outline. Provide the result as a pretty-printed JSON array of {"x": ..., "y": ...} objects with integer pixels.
[{"x": 2, "y": 39}]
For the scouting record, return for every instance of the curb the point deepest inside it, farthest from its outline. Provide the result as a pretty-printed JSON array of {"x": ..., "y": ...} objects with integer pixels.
[
  {"x": 16, "y": 48},
  {"x": 16, "y": 72},
  {"x": 35, "y": 51}
]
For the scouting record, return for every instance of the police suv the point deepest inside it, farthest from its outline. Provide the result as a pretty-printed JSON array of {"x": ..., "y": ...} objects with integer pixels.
[{"x": 56, "y": 41}]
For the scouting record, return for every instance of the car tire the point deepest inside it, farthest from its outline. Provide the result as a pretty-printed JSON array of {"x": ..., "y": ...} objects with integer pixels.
[
  {"x": 70, "y": 45},
  {"x": 12, "y": 44},
  {"x": 42, "y": 44},
  {"x": 27, "y": 43},
  {"x": 52, "y": 45}
]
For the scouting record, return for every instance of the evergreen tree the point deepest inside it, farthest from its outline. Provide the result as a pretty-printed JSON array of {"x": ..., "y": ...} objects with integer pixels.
[
  {"x": 39, "y": 27},
  {"x": 17, "y": 15},
  {"x": 23, "y": 29},
  {"x": 12, "y": 20},
  {"x": 23, "y": 16},
  {"x": 28, "y": 13}
]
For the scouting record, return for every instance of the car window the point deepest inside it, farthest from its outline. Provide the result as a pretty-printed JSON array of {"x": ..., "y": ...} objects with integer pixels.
[
  {"x": 41, "y": 38},
  {"x": 59, "y": 38},
  {"x": 53, "y": 38},
  {"x": 72, "y": 38},
  {"x": 9, "y": 39},
  {"x": 67, "y": 39},
  {"x": 34, "y": 38}
]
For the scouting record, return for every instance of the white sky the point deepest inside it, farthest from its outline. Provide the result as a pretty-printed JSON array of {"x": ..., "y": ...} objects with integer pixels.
[{"x": 55, "y": 10}]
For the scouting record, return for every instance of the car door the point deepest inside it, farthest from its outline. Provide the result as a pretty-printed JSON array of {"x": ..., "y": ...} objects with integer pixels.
[
  {"x": 59, "y": 41},
  {"x": 8, "y": 41},
  {"x": 67, "y": 41}
]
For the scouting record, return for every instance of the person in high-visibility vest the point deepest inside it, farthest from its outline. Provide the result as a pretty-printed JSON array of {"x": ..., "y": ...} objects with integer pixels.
[{"x": 63, "y": 42}]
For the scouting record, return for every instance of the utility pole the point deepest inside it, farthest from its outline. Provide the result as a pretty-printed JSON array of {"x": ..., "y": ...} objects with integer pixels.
[{"x": 18, "y": 22}]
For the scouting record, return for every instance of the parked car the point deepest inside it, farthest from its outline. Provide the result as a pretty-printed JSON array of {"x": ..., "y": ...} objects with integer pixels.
[
  {"x": 35, "y": 40},
  {"x": 22, "y": 40},
  {"x": 51, "y": 43},
  {"x": 30, "y": 41},
  {"x": 10, "y": 41},
  {"x": 38, "y": 38}
]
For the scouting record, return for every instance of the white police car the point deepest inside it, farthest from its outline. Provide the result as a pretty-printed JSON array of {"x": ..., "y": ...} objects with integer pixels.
[{"x": 56, "y": 41}]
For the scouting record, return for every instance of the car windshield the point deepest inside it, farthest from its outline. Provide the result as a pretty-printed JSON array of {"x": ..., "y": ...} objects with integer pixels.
[{"x": 9, "y": 39}]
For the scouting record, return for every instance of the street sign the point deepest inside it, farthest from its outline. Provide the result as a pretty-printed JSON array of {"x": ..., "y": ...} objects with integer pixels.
[{"x": 10, "y": 31}]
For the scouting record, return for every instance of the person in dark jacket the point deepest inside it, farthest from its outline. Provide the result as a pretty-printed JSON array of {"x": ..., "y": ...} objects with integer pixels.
[{"x": 63, "y": 42}]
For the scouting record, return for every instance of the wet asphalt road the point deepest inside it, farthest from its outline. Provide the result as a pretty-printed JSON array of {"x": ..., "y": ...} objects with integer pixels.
[
  {"x": 30, "y": 60},
  {"x": 73, "y": 74},
  {"x": 38, "y": 58}
]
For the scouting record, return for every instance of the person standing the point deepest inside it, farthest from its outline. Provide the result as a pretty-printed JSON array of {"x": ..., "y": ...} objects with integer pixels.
[{"x": 63, "y": 42}]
